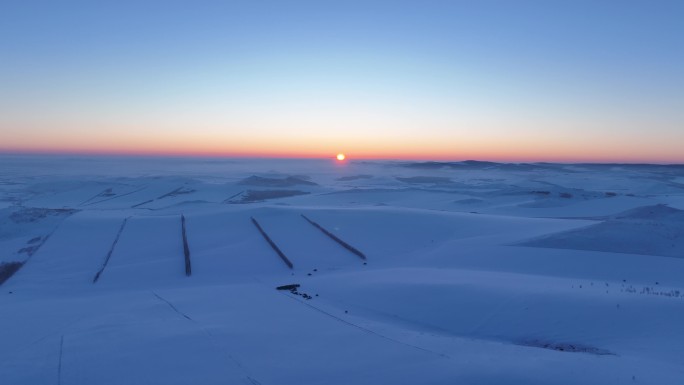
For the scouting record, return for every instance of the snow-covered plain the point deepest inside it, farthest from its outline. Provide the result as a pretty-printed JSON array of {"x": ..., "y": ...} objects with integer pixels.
[{"x": 475, "y": 272}]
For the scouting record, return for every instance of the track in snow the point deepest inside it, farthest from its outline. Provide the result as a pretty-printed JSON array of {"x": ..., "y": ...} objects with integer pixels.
[
  {"x": 59, "y": 365},
  {"x": 111, "y": 250},
  {"x": 172, "y": 307},
  {"x": 367, "y": 330},
  {"x": 117, "y": 196}
]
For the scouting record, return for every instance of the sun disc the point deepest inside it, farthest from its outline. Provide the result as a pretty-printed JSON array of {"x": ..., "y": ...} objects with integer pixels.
[{"x": 340, "y": 156}]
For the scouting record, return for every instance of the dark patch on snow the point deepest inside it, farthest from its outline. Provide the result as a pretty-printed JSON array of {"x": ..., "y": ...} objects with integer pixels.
[
  {"x": 186, "y": 248},
  {"x": 336, "y": 239},
  {"x": 272, "y": 244},
  {"x": 469, "y": 201},
  {"x": 252, "y": 196},
  {"x": 34, "y": 240},
  {"x": 142, "y": 203},
  {"x": 29, "y": 250},
  {"x": 354, "y": 177},
  {"x": 482, "y": 165},
  {"x": 468, "y": 164},
  {"x": 232, "y": 197},
  {"x": 277, "y": 182},
  {"x": 632, "y": 166},
  {"x": 565, "y": 347},
  {"x": 111, "y": 250},
  {"x": 177, "y": 192},
  {"x": 35, "y": 214},
  {"x": 183, "y": 204},
  {"x": 114, "y": 196},
  {"x": 106, "y": 193},
  {"x": 293, "y": 288},
  {"x": 425, "y": 179},
  {"x": 7, "y": 269},
  {"x": 550, "y": 198}
]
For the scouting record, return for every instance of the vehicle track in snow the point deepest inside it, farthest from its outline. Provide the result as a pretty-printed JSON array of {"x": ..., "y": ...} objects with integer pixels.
[
  {"x": 172, "y": 307},
  {"x": 212, "y": 340},
  {"x": 365, "y": 329}
]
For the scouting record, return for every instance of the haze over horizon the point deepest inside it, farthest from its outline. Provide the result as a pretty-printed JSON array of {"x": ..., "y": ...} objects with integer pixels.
[{"x": 583, "y": 81}]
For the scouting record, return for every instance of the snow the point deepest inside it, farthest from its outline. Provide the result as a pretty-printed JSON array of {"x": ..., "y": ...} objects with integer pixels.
[
  {"x": 653, "y": 230},
  {"x": 476, "y": 272}
]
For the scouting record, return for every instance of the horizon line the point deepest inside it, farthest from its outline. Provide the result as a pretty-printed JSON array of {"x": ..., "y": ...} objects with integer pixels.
[{"x": 438, "y": 159}]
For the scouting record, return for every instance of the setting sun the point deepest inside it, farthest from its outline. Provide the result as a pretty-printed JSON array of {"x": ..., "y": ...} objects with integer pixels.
[{"x": 340, "y": 156}]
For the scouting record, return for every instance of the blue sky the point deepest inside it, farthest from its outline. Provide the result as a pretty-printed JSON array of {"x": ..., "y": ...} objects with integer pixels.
[{"x": 546, "y": 80}]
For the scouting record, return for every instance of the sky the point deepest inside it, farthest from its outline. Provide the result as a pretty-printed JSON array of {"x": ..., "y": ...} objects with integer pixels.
[{"x": 490, "y": 80}]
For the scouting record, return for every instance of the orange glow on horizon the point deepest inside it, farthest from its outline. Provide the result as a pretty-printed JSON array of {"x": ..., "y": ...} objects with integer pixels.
[
  {"x": 508, "y": 156},
  {"x": 238, "y": 144}
]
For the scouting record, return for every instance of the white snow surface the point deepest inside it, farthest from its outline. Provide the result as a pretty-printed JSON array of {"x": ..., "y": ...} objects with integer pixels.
[{"x": 475, "y": 272}]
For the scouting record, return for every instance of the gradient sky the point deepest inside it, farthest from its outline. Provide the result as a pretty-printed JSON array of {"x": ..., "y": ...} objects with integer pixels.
[{"x": 491, "y": 80}]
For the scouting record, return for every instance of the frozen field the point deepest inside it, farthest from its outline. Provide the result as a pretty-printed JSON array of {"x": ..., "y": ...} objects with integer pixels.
[{"x": 444, "y": 273}]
